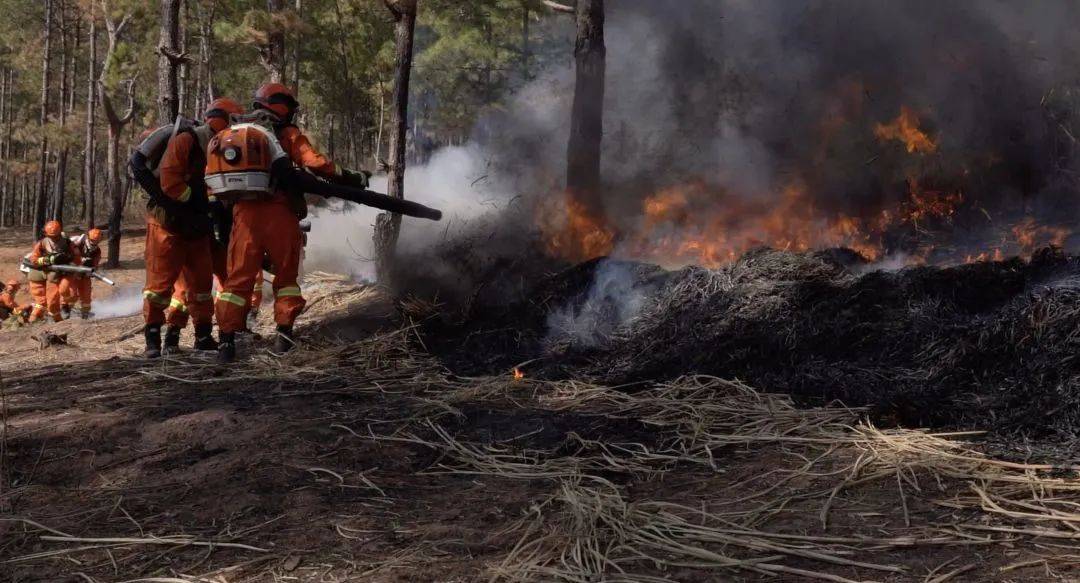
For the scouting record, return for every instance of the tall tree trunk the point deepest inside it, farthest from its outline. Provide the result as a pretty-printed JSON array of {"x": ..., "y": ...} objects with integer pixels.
[
  {"x": 297, "y": 51},
  {"x": 89, "y": 178},
  {"x": 43, "y": 118},
  {"x": 61, "y": 160},
  {"x": 116, "y": 123},
  {"x": 587, "y": 116},
  {"x": 273, "y": 52},
  {"x": 169, "y": 57},
  {"x": 5, "y": 201},
  {"x": 183, "y": 88},
  {"x": 388, "y": 225},
  {"x": 524, "y": 40}
]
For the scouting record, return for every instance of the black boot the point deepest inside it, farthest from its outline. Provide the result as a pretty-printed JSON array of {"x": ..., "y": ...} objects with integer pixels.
[
  {"x": 65, "y": 311},
  {"x": 284, "y": 341},
  {"x": 152, "y": 332},
  {"x": 172, "y": 340},
  {"x": 226, "y": 351},
  {"x": 204, "y": 337}
]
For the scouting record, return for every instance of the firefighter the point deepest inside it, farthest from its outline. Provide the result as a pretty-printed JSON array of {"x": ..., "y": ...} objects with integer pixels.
[
  {"x": 9, "y": 306},
  {"x": 178, "y": 234},
  {"x": 88, "y": 254},
  {"x": 53, "y": 249},
  {"x": 270, "y": 226}
]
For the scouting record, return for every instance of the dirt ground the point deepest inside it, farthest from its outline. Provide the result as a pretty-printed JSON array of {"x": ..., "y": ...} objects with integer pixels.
[{"x": 360, "y": 457}]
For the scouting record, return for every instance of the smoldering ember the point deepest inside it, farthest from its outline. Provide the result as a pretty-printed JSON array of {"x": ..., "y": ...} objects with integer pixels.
[{"x": 539, "y": 290}]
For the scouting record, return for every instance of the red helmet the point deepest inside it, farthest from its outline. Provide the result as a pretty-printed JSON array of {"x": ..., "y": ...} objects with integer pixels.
[
  {"x": 218, "y": 112},
  {"x": 53, "y": 229},
  {"x": 223, "y": 107},
  {"x": 276, "y": 98}
]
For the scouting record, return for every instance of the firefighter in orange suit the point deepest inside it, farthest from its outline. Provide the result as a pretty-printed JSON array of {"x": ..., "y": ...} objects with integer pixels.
[
  {"x": 9, "y": 306},
  {"x": 53, "y": 249},
  {"x": 88, "y": 254},
  {"x": 178, "y": 234},
  {"x": 270, "y": 226}
]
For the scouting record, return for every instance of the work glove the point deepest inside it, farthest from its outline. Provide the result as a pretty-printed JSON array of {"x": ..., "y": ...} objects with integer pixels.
[
  {"x": 87, "y": 262},
  {"x": 355, "y": 179}
]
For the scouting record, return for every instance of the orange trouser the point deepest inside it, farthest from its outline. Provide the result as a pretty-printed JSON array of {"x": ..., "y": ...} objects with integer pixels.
[
  {"x": 168, "y": 256},
  {"x": 261, "y": 228},
  {"x": 81, "y": 292},
  {"x": 37, "y": 293},
  {"x": 48, "y": 296},
  {"x": 177, "y": 315}
]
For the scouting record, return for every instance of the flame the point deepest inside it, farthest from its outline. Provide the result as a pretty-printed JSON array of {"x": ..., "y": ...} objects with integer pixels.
[
  {"x": 573, "y": 232},
  {"x": 1029, "y": 235},
  {"x": 905, "y": 128},
  {"x": 518, "y": 375}
]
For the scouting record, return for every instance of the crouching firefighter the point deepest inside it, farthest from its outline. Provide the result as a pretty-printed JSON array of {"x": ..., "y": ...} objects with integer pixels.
[
  {"x": 178, "y": 225},
  {"x": 9, "y": 304}
]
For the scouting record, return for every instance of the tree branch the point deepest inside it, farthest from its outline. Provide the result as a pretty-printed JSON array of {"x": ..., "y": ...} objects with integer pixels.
[
  {"x": 557, "y": 7},
  {"x": 174, "y": 57}
]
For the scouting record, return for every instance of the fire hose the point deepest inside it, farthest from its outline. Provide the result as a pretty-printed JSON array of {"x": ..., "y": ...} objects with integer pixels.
[
  {"x": 69, "y": 270},
  {"x": 303, "y": 182}
]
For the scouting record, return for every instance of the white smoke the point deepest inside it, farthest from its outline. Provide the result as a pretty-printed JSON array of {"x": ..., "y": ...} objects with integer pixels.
[
  {"x": 613, "y": 301},
  {"x": 457, "y": 180},
  {"x": 125, "y": 301}
]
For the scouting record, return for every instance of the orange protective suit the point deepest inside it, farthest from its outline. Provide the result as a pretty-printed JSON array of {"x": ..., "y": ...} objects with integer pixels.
[
  {"x": 269, "y": 227},
  {"x": 48, "y": 294},
  {"x": 168, "y": 254},
  {"x": 88, "y": 254},
  {"x": 8, "y": 304}
]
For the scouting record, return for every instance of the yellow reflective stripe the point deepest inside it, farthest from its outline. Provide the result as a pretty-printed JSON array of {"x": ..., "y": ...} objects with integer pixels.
[
  {"x": 155, "y": 298},
  {"x": 231, "y": 298},
  {"x": 177, "y": 305},
  {"x": 185, "y": 196},
  {"x": 288, "y": 292}
]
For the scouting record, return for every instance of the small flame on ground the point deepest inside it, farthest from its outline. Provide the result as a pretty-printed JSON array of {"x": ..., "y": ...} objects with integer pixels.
[
  {"x": 518, "y": 375},
  {"x": 905, "y": 128}
]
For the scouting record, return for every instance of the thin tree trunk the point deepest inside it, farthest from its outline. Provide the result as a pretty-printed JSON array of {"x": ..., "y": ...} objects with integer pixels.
[
  {"x": 5, "y": 202},
  {"x": 169, "y": 57},
  {"x": 297, "y": 51},
  {"x": 61, "y": 160},
  {"x": 273, "y": 52},
  {"x": 388, "y": 225},
  {"x": 587, "y": 116},
  {"x": 43, "y": 118},
  {"x": 116, "y": 125},
  {"x": 89, "y": 154},
  {"x": 524, "y": 40}
]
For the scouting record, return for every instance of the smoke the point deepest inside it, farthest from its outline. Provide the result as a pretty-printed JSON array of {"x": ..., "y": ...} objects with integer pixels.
[
  {"x": 745, "y": 98},
  {"x": 125, "y": 301},
  {"x": 614, "y": 299},
  {"x": 457, "y": 180}
]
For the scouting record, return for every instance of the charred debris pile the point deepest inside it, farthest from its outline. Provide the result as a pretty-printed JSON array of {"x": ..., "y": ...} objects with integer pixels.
[{"x": 989, "y": 344}]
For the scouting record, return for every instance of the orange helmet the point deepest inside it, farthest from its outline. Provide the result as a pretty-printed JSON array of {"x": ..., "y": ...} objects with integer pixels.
[
  {"x": 94, "y": 236},
  {"x": 13, "y": 284},
  {"x": 53, "y": 229},
  {"x": 276, "y": 98},
  {"x": 219, "y": 110}
]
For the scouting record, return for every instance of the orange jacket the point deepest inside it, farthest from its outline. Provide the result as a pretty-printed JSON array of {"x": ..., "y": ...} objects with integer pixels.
[
  {"x": 177, "y": 168},
  {"x": 46, "y": 247},
  {"x": 7, "y": 300},
  {"x": 302, "y": 153},
  {"x": 94, "y": 256}
]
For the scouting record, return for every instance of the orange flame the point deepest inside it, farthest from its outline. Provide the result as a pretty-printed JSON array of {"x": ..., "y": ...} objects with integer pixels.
[
  {"x": 905, "y": 128},
  {"x": 518, "y": 375},
  {"x": 573, "y": 232}
]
